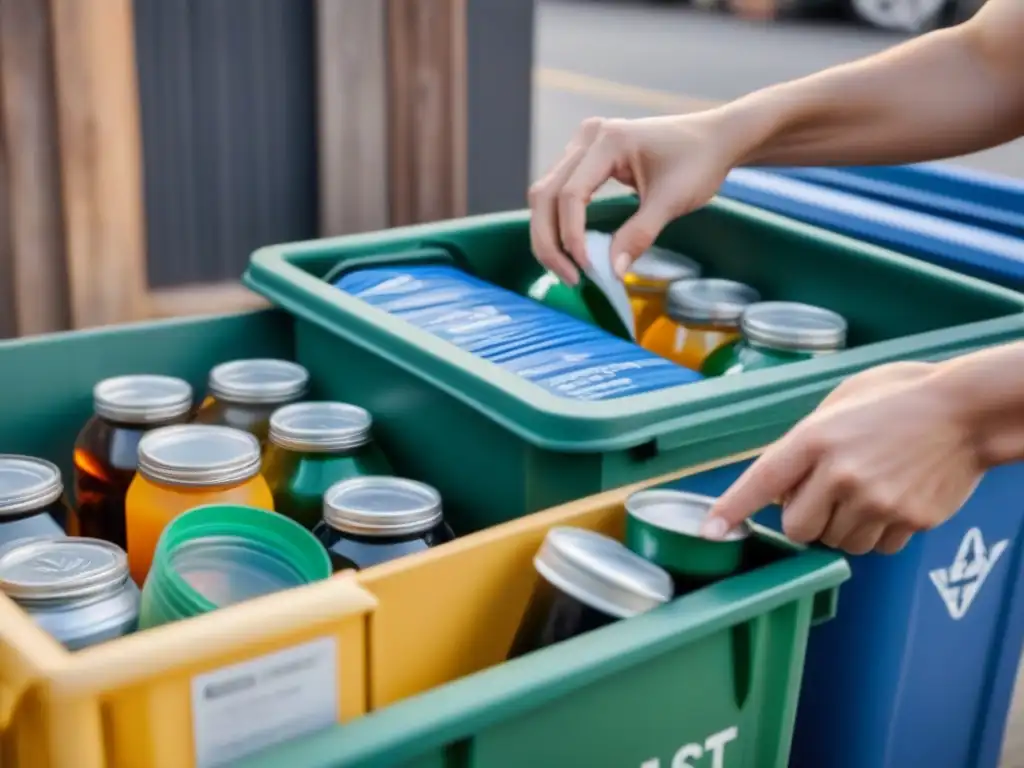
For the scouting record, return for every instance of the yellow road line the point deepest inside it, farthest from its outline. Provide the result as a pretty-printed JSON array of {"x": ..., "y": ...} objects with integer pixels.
[{"x": 619, "y": 93}]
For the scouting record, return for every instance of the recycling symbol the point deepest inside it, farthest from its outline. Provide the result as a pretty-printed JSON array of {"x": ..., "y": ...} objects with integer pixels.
[{"x": 959, "y": 584}]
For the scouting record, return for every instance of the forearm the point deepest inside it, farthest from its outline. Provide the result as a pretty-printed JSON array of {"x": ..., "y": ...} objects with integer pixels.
[
  {"x": 988, "y": 388},
  {"x": 944, "y": 94}
]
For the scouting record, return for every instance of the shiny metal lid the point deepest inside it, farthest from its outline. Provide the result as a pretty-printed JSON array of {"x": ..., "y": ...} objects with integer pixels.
[
  {"x": 601, "y": 572},
  {"x": 709, "y": 300},
  {"x": 61, "y": 569},
  {"x": 320, "y": 427},
  {"x": 27, "y": 484},
  {"x": 199, "y": 455},
  {"x": 259, "y": 381},
  {"x": 379, "y": 505},
  {"x": 794, "y": 326},
  {"x": 677, "y": 512},
  {"x": 659, "y": 266},
  {"x": 142, "y": 399}
]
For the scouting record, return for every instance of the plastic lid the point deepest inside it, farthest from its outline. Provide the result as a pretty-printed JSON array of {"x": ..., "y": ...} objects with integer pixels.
[
  {"x": 27, "y": 484},
  {"x": 601, "y": 572},
  {"x": 62, "y": 568},
  {"x": 795, "y": 326},
  {"x": 320, "y": 427},
  {"x": 379, "y": 505},
  {"x": 259, "y": 381},
  {"x": 677, "y": 512},
  {"x": 230, "y": 569},
  {"x": 657, "y": 267},
  {"x": 199, "y": 454},
  {"x": 709, "y": 300},
  {"x": 142, "y": 399}
]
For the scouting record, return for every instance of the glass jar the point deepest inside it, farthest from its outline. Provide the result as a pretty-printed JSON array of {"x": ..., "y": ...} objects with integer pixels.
[
  {"x": 700, "y": 316},
  {"x": 107, "y": 449},
  {"x": 32, "y": 500},
  {"x": 76, "y": 589},
  {"x": 776, "y": 333},
  {"x": 587, "y": 580},
  {"x": 312, "y": 447},
  {"x": 244, "y": 393},
  {"x": 371, "y": 520},
  {"x": 648, "y": 280},
  {"x": 184, "y": 467}
]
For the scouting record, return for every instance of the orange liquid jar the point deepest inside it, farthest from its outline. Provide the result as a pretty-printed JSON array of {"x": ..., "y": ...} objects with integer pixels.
[
  {"x": 700, "y": 316},
  {"x": 184, "y": 467},
  {"x": 107, "y": 448},
  {"x": 647, "y": 283},
  {"x": 244, "y": 393}
]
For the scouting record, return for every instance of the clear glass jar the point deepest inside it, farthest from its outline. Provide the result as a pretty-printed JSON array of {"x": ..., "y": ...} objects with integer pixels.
[
  {"x": 107, "y": 449},
  {"x": 777, "y": 333},
  {"x": 587, "y": 581},
  {"x": 371, "y": 520},
  {"x": 648, "y": 280},
  {"x": 700, "y": 316},
  {"x": 32, "y": 499},
  {"x": 314, "y": 446},
  {"x": 184, "y": 467},
  {"x": 245, "y": 393},
  {"x": 88, "y": 600}
]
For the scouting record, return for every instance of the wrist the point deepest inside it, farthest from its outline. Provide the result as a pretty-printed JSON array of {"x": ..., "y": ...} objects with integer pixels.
[{"x": 746, "y": 125}]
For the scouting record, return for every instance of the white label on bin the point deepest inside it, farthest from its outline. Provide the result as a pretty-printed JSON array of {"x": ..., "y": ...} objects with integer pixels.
[
  {"x": 710, "y": 754},
  {"x": 959, "y": 583},
  {"x": 241, "y": 709}
]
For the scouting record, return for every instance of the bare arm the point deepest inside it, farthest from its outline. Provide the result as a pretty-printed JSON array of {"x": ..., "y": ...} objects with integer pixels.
[{"x": 944, "y": 94}]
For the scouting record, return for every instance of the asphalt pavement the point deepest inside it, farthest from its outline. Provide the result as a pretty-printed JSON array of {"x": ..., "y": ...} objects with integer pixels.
[{"x": 628, "y": 58}]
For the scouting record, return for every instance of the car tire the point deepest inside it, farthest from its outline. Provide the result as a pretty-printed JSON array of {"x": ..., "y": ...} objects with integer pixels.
[{"x": 912, "y": 16}]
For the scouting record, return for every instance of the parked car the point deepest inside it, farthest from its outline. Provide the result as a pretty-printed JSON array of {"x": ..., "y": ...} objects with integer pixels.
[{"x": 913, "y": 16}]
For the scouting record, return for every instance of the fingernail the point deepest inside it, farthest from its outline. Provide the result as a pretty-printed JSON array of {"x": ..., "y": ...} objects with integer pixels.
[
  {"x": 621, "y": 264},
  {"x": 714, "y": 528}
]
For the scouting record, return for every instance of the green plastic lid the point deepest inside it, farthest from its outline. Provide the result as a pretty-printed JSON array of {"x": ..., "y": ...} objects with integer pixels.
[{"x": 218, "y": 555}]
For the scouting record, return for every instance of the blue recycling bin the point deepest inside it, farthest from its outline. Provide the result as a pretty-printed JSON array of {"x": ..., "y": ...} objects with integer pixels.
[
  {"x": 968, "y": 248},
  {"x": 919, "y": 666}
]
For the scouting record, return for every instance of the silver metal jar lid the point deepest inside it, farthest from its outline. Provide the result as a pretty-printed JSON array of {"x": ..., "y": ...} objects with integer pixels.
[
  {"x": 199, "y": 455},
  {"x": 660, "y": 265},
  {"x": 709, "y": 300},
  {"x": 320, "y": 427},
  {"x": 677, "y": 512},
  {"x": 61, "y": 569},
  {"x": 27, "y": 484},
  {"x": 259, "y": 381},
  {"x": 793, "y": 326},
  {"x": 142, "y": 399},
  {"x": 380, "y": 505},
  {"x": 601, "y": 572}
]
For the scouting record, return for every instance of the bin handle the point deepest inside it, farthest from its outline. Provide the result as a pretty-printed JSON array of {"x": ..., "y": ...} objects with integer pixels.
[
  {"x": 424, "y": 254},
  {"x": 736, "y": 418}
]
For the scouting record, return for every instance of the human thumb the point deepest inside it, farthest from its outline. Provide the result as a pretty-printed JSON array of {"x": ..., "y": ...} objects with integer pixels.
[{"x": 638, "y": 233}]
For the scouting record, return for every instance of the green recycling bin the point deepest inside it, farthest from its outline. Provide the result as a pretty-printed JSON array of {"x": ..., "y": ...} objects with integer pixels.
[{"x": 515, "y": 447}]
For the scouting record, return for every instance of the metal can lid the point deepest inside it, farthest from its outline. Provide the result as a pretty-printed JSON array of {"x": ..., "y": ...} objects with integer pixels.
[
  {"x": 27, "y": 484},
  {"x": 709, "y": 300},
  {"x": 601, "y": 572},
  {"x": 62, "y": 568},
  {"x": 677, "y": 511},
  {"x": 793, "y": 326},
  {"x": 142, "y": 398},
  {"x": 259, "y": 381},
  {"x": 380, "y": 505},
  {"x": 320, "y": 427},
  {"x": 657, "y": 267},
  {"x": 199, "y": 455}
]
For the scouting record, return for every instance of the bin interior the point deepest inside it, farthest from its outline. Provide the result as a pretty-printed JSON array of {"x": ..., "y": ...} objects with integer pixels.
[{"x": 782, "y": 259}]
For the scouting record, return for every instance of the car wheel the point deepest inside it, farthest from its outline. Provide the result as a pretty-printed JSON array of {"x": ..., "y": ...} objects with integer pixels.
[{"x": 914, "y": 16}]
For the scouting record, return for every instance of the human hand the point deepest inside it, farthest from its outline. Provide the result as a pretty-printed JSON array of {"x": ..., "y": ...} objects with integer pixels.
[
  {"x": 675, "y": 163},
  {"x": 887, "y": 454}
]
